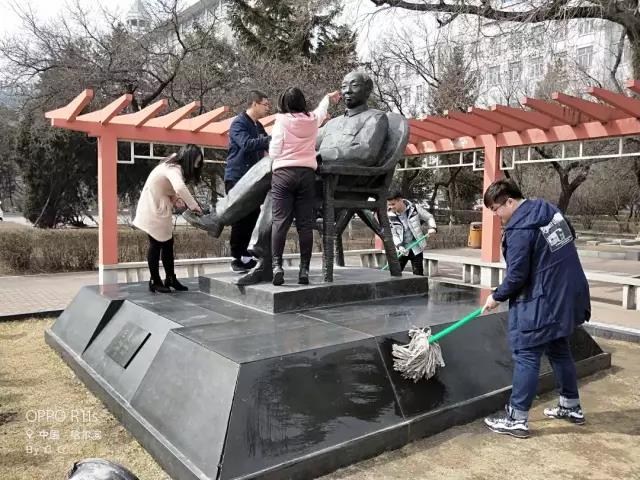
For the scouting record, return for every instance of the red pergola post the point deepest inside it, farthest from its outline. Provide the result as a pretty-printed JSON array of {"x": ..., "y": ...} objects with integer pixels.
[
  {"x": 491, "y": 228},
  {"x": 107, "y": 208}
]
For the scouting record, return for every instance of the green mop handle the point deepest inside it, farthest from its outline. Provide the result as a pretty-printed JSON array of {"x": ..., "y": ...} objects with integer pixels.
[
  {"x": 455, "y": 326},
  {"x": 409, "y": 247}
]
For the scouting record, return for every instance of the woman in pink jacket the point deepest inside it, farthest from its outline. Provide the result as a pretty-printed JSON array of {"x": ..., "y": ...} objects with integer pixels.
[
  {"x": 293, "y": 151},
  {"x": 165, "y": 188}
]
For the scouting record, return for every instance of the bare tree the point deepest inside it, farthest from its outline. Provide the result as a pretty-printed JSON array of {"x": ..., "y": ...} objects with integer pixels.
[{"x": 623, "y": 13}]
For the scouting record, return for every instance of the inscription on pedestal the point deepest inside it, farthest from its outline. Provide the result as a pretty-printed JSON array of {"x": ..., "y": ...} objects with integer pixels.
[{"x": 126, "y": 344}]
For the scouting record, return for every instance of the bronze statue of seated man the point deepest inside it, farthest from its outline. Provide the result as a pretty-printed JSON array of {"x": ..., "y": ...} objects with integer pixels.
[{"x": 357, "y": 137}]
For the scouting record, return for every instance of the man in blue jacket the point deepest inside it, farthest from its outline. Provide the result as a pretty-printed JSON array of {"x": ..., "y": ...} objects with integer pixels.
[
  {"x": 548, "y": 296},
  {"x": 248, "y": 143}
]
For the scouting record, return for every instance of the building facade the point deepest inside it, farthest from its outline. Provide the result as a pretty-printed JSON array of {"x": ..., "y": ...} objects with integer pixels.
[{"x": 510, "y": 60}]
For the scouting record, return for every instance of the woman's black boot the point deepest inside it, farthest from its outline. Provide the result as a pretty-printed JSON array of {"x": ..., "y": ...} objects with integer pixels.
[
  {"x": 303, "y": 276},
  {"x": 158, "y": 286},
  {"x": 278, "y": 272},
  {"x": 173, "y": 282}
]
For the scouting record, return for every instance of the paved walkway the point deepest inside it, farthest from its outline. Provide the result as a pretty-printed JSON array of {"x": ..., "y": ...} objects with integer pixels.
[{"x": 37, "y": 293}]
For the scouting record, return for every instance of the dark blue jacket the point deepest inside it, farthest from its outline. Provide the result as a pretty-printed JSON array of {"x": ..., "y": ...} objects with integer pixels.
[
  {"x": 248, "y": 141},
  {"x": 546, "y": 287}
]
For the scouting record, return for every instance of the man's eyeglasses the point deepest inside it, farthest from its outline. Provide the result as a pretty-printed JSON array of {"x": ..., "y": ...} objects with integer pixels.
[
  {"x": 497, "y": 207},
  {"x": 265, "y": 104}
]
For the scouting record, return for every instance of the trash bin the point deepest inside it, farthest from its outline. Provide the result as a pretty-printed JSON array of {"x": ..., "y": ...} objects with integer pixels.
[{"x": 475, "y": 235}]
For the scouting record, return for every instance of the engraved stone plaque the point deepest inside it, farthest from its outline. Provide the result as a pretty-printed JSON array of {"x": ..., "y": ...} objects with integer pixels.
[{"x": 126, "y": 344}]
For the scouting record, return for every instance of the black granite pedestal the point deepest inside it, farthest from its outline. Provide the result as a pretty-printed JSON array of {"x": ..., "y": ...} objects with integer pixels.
[{"x": 216, "y": 388}]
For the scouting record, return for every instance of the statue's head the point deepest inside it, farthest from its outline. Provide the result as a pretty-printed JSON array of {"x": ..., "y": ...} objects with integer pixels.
[
  {"x": 99, "y": 469},
  {"x": 356, "y": 88}
]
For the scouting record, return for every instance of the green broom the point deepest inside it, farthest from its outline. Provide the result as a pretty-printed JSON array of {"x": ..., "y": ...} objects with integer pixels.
[
  {"x": 420, "y": 357},
  {"x": 409, "y": 247}
]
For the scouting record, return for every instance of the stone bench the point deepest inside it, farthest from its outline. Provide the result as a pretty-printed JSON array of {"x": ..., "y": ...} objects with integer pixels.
[
  {"x": 474, "y": 270},
  {"x": 630, "y": 287},
  {"x": 491, "y": 274},
  {"x": 128, "y": 272}
]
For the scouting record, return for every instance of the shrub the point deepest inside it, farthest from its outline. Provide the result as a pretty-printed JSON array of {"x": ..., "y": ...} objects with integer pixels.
[
  {"x": 32, "y": 250},
  {"x": 16, "y": 248}
]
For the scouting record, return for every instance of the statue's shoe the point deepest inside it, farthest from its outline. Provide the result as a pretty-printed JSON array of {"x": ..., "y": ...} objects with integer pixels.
[
  {"x": 208, "y": 222},
  {"x": 260, "y": 273}
]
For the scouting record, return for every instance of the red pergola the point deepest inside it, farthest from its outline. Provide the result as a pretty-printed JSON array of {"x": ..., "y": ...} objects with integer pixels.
[{"x": 566, "y": 119}]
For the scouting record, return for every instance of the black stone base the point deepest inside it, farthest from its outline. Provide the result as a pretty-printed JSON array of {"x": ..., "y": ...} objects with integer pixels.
[
  {"x": 349, "y": 285},
  {"x": 213, "y": 389}
]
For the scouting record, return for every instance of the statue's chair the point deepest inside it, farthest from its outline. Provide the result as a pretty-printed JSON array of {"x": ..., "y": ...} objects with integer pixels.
[{"x": 355, "y": 190}]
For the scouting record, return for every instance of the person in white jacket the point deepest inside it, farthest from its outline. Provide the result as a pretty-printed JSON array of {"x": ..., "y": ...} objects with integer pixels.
[
  {"x": 407, "y": 220},
  {"x": 165, "y": 188}
]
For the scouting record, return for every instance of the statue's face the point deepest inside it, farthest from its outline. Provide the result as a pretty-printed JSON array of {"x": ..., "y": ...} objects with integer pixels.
[{"x": 354, "y": 90}]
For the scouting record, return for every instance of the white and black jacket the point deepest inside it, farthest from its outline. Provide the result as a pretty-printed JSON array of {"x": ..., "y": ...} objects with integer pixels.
[{"x": 416, "y": 216}]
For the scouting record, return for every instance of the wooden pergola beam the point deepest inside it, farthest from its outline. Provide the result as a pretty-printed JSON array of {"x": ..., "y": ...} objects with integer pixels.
[
  {"x": 461, "y": 128},
  {"x": 633, "y": 85},
  {"x": 482, "y": 124},
  {"x": 196, "y": 124},
  {"x": 564, "y": 115},
  {"x": 141, "y": 117},
  {"x": 104, "y": 115},
  {"x": 171, "y": 119},
  {"x": 532, "y": 119},
  {"x": 629, "y": 105},
  {"x": 431, "y": 129},
  {"x": 507, "y": 123},
  {"x": 73, "y": 108},
  {"x": 598, "y": 112}
]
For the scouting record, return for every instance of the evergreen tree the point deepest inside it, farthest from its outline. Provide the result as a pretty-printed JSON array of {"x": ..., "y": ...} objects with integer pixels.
[
  {"x": 59, "y": 171},
  {"x": 284, "y": 29},
  {"x": 457, "y": 86}
]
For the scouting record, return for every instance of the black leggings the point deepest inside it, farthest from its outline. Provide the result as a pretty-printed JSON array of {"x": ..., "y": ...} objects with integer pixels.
[{"x": 156, "y": 250}]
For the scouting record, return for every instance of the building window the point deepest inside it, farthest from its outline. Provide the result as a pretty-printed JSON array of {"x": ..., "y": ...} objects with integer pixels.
[
  {"x": 584, "y": 57},
  {"x": 536, "y": 67},
  {"x": 586, "y": 26},
  {"x": 561, "y": 30},
  {"x": 515, "y": 42},
  {"x": 537, "y": 35},
  {"x": 493, "y": 76},
  {"x": 406, "y": 96},
  {"x": 515, "y": 71},
  {"x": 419, "y": 95},
  {"x": 396, "y": 71}
]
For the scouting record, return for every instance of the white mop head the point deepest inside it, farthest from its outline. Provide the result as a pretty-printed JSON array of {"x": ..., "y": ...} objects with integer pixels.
[{"x": 418, "y": 359}]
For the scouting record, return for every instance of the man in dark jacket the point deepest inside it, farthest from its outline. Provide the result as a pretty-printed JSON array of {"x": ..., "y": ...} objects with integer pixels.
[
  {"x": 248, "y": 143},
  {"x": 548, "y": 296}
]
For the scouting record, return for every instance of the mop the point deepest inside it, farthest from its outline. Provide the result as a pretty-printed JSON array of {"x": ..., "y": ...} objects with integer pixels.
[
  {"x": 409, "y": 247},
  {"x": 422, "y": 355}
]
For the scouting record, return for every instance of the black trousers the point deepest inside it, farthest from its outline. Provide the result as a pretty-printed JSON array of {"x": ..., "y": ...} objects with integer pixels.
[
  {"x": 293, "y": 193},
  {"x": 156, "y": 251},
  {"x": 416, "y": 262},
  {"x": 241, "y": 230}
]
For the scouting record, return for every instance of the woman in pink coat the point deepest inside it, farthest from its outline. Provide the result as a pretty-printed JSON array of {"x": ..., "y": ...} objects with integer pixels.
[
  {"x": 293, "y": 151},
  {"x": 164, "y": 189}
]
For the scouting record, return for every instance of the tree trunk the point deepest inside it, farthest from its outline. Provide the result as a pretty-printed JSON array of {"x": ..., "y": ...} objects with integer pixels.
[{"x": 568, "y": 187}]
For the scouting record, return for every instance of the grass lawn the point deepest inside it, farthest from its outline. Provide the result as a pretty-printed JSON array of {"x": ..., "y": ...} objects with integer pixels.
[{"x": 48, "y": 419}]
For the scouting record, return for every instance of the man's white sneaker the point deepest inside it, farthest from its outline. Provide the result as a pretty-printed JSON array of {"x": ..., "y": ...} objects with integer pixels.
[
  {"x": 504, "y": 423},
  {"x": 573, "y": 415}
]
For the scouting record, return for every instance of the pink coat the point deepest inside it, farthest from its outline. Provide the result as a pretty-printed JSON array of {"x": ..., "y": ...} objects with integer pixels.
[
  {"x": 155, "y": 207},
  {"x": 293, "y": 138}
]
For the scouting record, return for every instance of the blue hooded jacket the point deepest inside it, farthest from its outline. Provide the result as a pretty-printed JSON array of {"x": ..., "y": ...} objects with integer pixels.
[
  {"x": 546, "y": 287},
  {"x": 248, "y": 141}
]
